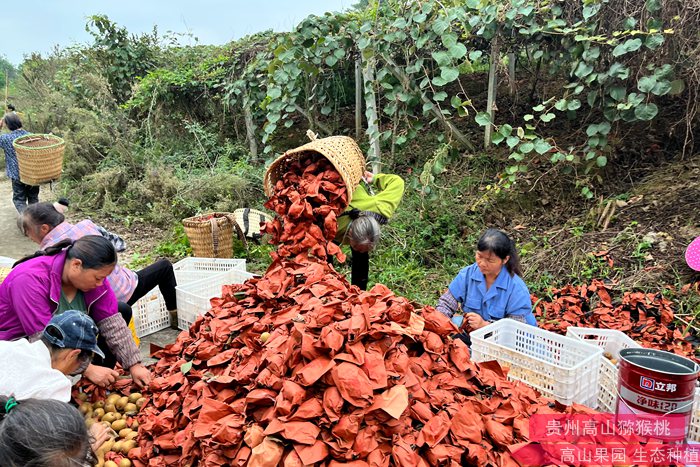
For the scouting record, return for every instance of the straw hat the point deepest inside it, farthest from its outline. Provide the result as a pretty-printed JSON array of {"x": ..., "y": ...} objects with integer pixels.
[
  {"x": 250, "y": 220},
  {"x": 342, "y": 151}
]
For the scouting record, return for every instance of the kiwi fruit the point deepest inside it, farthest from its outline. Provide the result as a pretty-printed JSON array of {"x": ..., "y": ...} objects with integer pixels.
[
  {"x": 134, "y": 425},
  {"x": 118, "y": 425},
  {"x": 128, "y": 446},
  {"x": 132, "y": 435},
  {"x": 110, "y": 407},
  {"x": 139, "y": 402},
  {"x": 117, "y": 446},
  {"x": 98, "y": 413},
  {"x": 133, "y": 397},
  {"x": 99, "y": 404},
  {"x": 112, "y": 398},
  {"x": 125, "y": 462},
  {"x": 121, "y": 402},
  {"x": 130, "y": 408},
  {"x": 111, "y": 464},
  {"x": 81, "y": 396},
  {"x": 109, "y": 417},
  {"x": 85, "y": 408},
  {"x": 124, "y": 432}
]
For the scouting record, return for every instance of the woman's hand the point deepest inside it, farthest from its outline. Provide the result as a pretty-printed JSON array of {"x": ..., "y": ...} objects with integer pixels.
[
  {"x": 140, "y": 375},
  {"x": 369, "y": 176},
  {"x": 475, "y": 321},
  {"x": 100, "y": 375},
  {"x": 99, "y": 433}
]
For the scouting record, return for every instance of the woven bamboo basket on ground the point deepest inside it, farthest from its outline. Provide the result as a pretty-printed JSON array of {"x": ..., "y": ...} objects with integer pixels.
[
  {"x": 250, "y": 220},
  {"x": 342, "y": 151},
  {"x": 211, "y": 235},
  {"x": 40, "y": 158}
]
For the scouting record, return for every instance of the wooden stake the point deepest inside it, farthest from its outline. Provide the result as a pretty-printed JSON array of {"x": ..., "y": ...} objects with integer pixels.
[
  {"x": 493, "y": 86},
  {"x": 358, "y": 98},
  {"x": 511, "y": 73},
  {"x": 374, "y": 154}
]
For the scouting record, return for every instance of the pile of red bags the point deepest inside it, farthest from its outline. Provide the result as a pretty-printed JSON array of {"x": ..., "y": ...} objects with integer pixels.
[
  {"x": 298, "y": 367},
  {"x": 647, "y": 318}
]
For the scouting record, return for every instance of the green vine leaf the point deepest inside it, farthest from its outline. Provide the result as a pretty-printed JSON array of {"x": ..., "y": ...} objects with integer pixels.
[
  {"x": 542, "y": 146},
  {"x": 512, "y": 141},
  {"x": 449, "y": 74},
  {"x": 526, "y": 147},
  {"x": 582, "y": 70},
  {"x": 483, "y": 119},
  {"x": 646, "y": 83},
  {"x": 646, "y": 112},
  {"x": 629, "y": 45}
]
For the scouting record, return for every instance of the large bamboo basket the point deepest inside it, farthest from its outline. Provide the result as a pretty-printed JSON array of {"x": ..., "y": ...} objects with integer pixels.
[
  {"x": 40, "y": 158},
  {"x": 342, "y": 151},
  {"x": 211, "y": 235}
]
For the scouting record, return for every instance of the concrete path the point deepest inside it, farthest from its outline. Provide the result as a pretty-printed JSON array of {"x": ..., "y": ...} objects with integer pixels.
[{"x": 12, "y": 243}]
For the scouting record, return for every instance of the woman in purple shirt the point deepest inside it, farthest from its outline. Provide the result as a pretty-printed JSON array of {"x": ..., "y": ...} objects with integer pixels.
[{"x": 71, "y": 275}]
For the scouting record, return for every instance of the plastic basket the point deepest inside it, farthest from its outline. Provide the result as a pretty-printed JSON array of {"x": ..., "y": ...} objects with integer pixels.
[
  {"x": 40, "y": 158},
  {"x": 558, "y": 366},
  {"x": 694, "y": 428},
  {"x": 610, "y": 342},
  {"x": 193, "y": 269},
  {"x": 193, "y": 298},
  {"x": 7, "y": 262},
  {"x": 150, "y": 314}
]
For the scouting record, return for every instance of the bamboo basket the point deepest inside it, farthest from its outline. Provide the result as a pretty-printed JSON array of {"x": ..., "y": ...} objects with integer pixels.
[
  {"x": 250, "y": 220},
  {"x": 40, "y": 158},
  {"x": 342, "y": 151},
  {"x": 211, "y": 235}
]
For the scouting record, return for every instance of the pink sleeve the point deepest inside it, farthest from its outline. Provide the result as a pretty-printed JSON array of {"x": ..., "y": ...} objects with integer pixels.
[{"x": 29, "y": 296}]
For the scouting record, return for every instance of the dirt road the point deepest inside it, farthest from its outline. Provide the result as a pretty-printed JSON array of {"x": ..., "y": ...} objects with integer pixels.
[{"x": 12, "y": 243}]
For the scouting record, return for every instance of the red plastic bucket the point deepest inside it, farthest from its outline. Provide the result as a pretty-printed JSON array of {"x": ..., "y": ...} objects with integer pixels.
[{"x": 655, "y": 385}]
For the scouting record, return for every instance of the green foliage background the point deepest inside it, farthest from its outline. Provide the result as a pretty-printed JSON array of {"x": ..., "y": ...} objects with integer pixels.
[{"x": 159, "y": 131}]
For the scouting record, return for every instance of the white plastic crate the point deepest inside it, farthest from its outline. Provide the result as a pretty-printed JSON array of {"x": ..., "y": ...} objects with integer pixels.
[
  {"x": 193, "y": 298},
  {"x": 558, "y": 366},
  {"x": 611, "y": 342},
  {"x": 694, "y": 429},
  {"x": 6, "y": 262},
  {"x": 192, "y": 269},
  {"x": 150, "y": 313}
]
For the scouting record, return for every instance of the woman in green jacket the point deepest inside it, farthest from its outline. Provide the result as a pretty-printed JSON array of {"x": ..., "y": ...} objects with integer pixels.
[{"x": 372, "y": 205}]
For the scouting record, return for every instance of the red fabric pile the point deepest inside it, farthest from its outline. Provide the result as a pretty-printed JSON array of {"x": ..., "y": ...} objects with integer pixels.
[
  {"x": 300, "y": 368},
  {"x": 308, "y": 200},
  {"x": 645, "y": 317}
]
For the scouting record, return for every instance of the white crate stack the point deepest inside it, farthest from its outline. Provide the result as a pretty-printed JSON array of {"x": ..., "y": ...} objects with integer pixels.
[
  {"x": 560, "y": 367},
  {"x": 150, "y": 313},
  {"x": 611, "y": 342},
  {"x": 193, "y": 298}
]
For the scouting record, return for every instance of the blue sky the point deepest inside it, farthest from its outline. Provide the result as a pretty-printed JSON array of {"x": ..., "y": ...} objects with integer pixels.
[{"x": 39, "y": 25}]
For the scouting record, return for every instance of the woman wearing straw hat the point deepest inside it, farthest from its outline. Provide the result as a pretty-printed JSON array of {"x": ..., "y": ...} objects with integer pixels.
[{"x": 373, "y": 203}]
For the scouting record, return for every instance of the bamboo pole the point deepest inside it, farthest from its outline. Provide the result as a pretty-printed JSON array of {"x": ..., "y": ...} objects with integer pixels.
[
  {"x": 493, "y": 86},
  {"x": 358, "y": 98}
]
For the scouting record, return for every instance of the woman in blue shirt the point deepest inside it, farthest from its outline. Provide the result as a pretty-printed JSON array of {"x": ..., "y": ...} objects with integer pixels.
[{"x": 491, "y": 288}]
